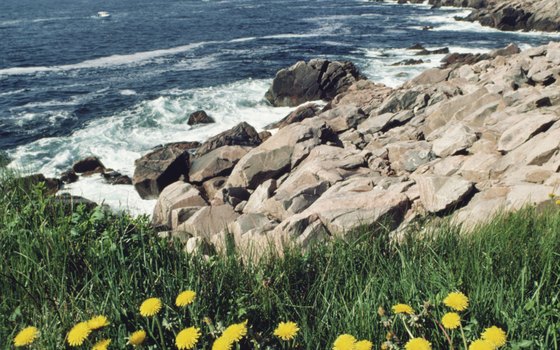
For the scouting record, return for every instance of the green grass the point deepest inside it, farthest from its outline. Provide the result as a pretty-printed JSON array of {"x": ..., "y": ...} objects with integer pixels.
[{"x": 59, "y": 267}]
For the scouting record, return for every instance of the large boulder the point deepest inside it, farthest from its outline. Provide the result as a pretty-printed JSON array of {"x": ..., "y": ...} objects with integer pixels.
[
  {"x": 263, "y": 192},
  {"x": 249, "y": 233},
  {"x": 177, "y": 195},
  {"x": 317, "y": 79},
  {"x": 280, "y": 153},
  {"x": 519, "y": 133},
  {"x": 342, "y": 118},
  {"x": 409, "y": 155},
  {"x": 441, "y": 193},
  {"x": 218, "y": 162},
  {"x": 242, "y": 134},
  {"x": 159, "y": 168},
  {"x": 207, "y": 222},
  {"x": 452, "y": 139}
]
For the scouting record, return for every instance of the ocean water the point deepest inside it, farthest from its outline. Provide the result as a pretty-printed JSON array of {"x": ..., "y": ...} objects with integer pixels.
[{"x": 73, "y": 84}]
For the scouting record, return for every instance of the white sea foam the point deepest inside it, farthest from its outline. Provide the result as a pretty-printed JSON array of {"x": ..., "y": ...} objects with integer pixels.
[
  {"x": 51, "y": 103},
  {"x": 127, "y": 92},
  {"x": 109, "y": 61},
  {"x": 120, "y": 139},
  {"x": 240, "y": 40},
  {"x": 14, "y": 92},
  {"x": 325, "y": 29},
  {"x": 117, "y": 197},
  {"x": 290, "y": 36},
  {"x": 25, "y": 119},
  {"x": 198, "y": 63},
  {"x": 378, "y": 66},
  {"x": 16, "y": 22}
]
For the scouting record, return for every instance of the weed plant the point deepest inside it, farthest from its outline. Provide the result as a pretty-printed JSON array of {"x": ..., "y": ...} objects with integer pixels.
[{"x": 61, "y": 265}]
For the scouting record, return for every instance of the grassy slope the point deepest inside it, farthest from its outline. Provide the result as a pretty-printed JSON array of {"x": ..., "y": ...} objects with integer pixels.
[{"x": 59, "y": 268}]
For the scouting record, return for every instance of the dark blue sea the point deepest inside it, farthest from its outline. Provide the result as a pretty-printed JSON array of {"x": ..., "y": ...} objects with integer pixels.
[{"x": 74, "y": 84}]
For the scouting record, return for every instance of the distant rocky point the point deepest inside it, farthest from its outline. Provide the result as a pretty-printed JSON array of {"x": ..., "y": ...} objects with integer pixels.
[{"x": 525, "y": 15}]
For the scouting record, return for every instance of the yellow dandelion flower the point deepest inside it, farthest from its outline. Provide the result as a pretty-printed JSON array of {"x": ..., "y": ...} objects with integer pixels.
[
  {"x": 236, "y": 331},
  {"x": 481, "y": 344},
  {"x": 102, "y": 344},
  {"x": 137, "y": 338},
  {"x": 451, "y": 320},
  {"x": 286, "y": 330},
  {"x": 344, "y": 342},
  {"x": 457, "y": 301},
  {"x": 222, "y": 344},
  {"x": 150, "y": 307},
  {"x": 363, "y": 345},
  {"x": 78, "y": 334},
  {"x": 185, "y": 298},
  {"x": 97, "y": 322},
  {"x": 495, "y": 335},
  {"x": 187, "y": 338},
  {"x": 558, "y": 202},
  {"x": 403, "y": 309},
  {"x": 385, "y": 345},
  {"x": 26, "y": 336},
  {"x": 418, "y": 344}
]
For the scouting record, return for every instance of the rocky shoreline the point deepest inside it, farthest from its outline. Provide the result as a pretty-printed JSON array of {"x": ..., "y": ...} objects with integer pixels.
[
  {"x": 478, "y": 135},
  {"x": 510, "y": 15},
  {"x": 467, "y": 141}
]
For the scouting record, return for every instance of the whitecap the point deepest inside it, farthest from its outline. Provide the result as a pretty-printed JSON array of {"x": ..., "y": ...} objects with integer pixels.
[
  {"x": 109, "y": 61},
  {"x": 127, "y": 92},
  {"x": 13, "y": 92},
  {"x": 117, "y": 197}
]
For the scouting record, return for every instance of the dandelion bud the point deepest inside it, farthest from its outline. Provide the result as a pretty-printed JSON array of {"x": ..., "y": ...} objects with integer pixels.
[{"x": 381, "y": 311}]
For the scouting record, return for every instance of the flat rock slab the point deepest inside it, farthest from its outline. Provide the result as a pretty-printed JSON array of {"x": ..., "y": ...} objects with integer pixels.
[
  {"x": 452, "y": 140},
  {"x": 526, "y": 193},
  {"x": 306, "y": 111},
  {"x": 177, "y": 195},
  {"x": 519, "y": 133},
  {"x": 343, "y": 208},
  {"x": 409, "y": 155},
  {"x": 263, "y": 192},
  {"x": 218, "y": 162},
  {"x": 242, "y": 134},
  {"x": 342, "y": 118},
  {"x": 483, "y": 206},
  {"x": 207, "y": 222},
  {"x": 440, "y": 193}
]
